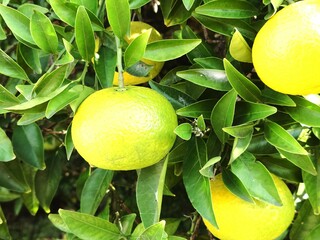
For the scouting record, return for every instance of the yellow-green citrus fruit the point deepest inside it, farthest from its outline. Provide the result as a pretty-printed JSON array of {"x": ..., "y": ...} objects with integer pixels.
[
  {"x": 286, "y": 50},
  {"x": 136, "y": 29},
  {"x": 124, "y": 129},
  {"x": 238, "y": 219}
]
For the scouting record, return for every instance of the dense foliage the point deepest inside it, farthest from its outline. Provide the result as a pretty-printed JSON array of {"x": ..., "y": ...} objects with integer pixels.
[{"x": 55, "y": 53}]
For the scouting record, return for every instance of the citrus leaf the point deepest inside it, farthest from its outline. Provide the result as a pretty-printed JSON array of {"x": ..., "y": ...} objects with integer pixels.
[
  {"x": 10, "y": 68},
  {"x": 154, "y": 232},
  {"x": 239, "y": 146},
  {"x": 91, "y": 5},
  {"x": 184, "y": 131},
  {"x": 207, "y": 169},
  {"x": 30, "y": 199},
  {"x": 210, "y": 63},
  {"x": 136, "y": 49},
  {"x": 276, "y": 98},
  {"x": 126, "y": 223},
  {"x": 6, "y": 149},
  {"x": 30, "y": 56},
  {"x": 300, "y": 160},
  {"x": 281, "y": 139},
  {"x": 177, "y": 98},
  {"x": 188, "y": 3},
  {"x": 27, "y": 143},
  {"x": 256, "y": 179},
  {"x": 68, "y": 142},
  {"x": 210, "y": 78},
  {"x": 94, "y": 190},
  {"x": 304, "y": 112},
  {"x": 29, "y": 8},
  {"x": 118, "y": 12},
  {"x": 239, "y": 48},
  {"x": 304, "y": 222},
  {"x": 165, "y": 50},
  {"x": 222, "y": 114},
  {"x": 57, "y": 221},
  {"x": 248, "y": 112},
  {"x": 198, "y": 186},
  {"x": 18, "y": 23},
  {"x": 234, "y": 9},
  {"x": 84, "y": 34},
  {"x": 134, "y": 4},
  {"x": 239, "y": 131},
  {"x": 245, "y": 88},
  {"x": 194, "y": 110},
  {"x": 88, "y": 227},
  {"x": 314, "y": 233},
  {"x": 149, "y": 192},
  {"x": 43, "y": 33}
]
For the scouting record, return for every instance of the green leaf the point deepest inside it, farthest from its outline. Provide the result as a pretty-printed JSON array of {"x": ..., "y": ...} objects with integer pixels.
[
  {"x": 210, "y": 63},
  {"x": 134, "y": 4},
  {"x": 184, "y": 131},
  {"x": 154, "y": 232},
  {"x": 126, "y": 223},
  {"x": 223, "y": 113},
  {"x": 18, "y": 23},
  {"x": 312, "y": 183},
  {"x": 43, "y": 33},
  {"x": 240, "y": 145},
  {"x": 207, "y": 169},
  {"x": 92, "y": 5},
  {"x": 29, "y": 8},
  {"x": 149, "y": 192},
  {"x": 304, "y": 112},
  {"x": 30, "y": 56},
  {"x": 10, "y": 68},
  {"x": 50, "y": 82},
  {"x": 239, "y": 48},
  {"x": 248, "y": 112},
  {"x": 88, "y": 227},
  {"x": 194, "y": 110},
  {"x": 234, "y": 9},
  {"x": 136, "y": 49},
  {"x": 165, "y": 50},
  {"x": 188, "y": 3},
  {"x": 276, "y": 98},
  {"x": 6, "y": 149},
  {"x": 30, "y": 199},
  {"x": 68, "y": 142},
  {"x": 209, "y": 78},
  {"x": 304, "y": 222},
  {"x": 281, "y": 139},
  {"x": 314, "y": 233},
  {"x": 177, "y": 98},
  {"x": 57, "y": 221},
  {"x": 239, "y": 131},
  {"x": 84, "y": 34},
  {"x": 27, "y": 143},
  {"x": 245, "y": 88},
  {"x": 256, "y": 179},
  {"x": 302, "y": 161},
  {"x": 118, "y": 12},
  {"x": 198, "y": 186},
  {"x": 4, "y": 229},
  {"x": 94, "y": 190}
]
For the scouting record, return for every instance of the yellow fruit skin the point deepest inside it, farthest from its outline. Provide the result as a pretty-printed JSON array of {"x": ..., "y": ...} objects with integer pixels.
[
  {"x": 124, "y": 130},
  {"x": 241, "y": 220},
  {"x": 136, "y": 29},
  {"x": 286, "y": 50}
]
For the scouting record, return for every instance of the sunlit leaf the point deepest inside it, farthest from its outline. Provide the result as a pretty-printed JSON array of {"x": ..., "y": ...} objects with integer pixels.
[{"x": 118, "y": 12}]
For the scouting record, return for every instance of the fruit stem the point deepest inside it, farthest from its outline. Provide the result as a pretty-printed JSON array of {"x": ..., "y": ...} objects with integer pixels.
[{"x": 119, "y": 64}]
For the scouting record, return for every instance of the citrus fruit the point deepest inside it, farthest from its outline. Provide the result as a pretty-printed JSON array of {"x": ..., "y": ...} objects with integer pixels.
[
  {"x": 238, "y": 219},
  {"x": 286, "y": 50},
  {"x": 137, "y": 28},
  {"x": 124, "y": 129}
]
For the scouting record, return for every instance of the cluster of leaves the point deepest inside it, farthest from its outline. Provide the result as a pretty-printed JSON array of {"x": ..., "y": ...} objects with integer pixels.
[{"x": 55, "y": 53}]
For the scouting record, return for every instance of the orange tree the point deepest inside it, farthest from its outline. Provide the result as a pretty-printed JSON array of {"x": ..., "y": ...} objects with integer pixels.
[{"x": 56, "y": 53}]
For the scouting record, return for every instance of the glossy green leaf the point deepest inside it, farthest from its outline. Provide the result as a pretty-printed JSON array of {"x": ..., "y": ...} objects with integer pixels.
[
  {"x": 94, "y": 190},
  {"x": 31, "y": 57},
  {"x": 30, "y": 117},
  {"x": 149, "y": 192},
  {"x": 134, "y": 4},
  {"x": 67, "y": 57},
  {"x": 256, "y": 179},
  {"x": 50, "y": 82},
  {"x": 276, "y": 98},
  {"x": 7, "y": 196},
  {"x": 126, "y": 223},
  {"x": 245, "y": 88},
  {"x": 4, "y": 229},
  {"x": 210, "y": 78},
  {"x": 177, "y": 98},
  {"x": 29, "y": 8},
  {"x": 239, "y": 48},
  {"x": 248, "y": 112},
  {"x": 118, "y": 12},
  {"x": 17, "y": 22},
  {"x": 6, "y": 149},
  {"x": 207, "y": 169},
  {"x": 68, "y": 142},
  {"x": 27, "y": 143},
  {"x": 198, "y": 186},
  {"x": 165, "y": 50},
  {"x": 30, "y": 199},
  {"x": 210, "y": 63},
  {"x": 58, "y": 222},
  {"x": 188, "y": 3},
  {"x": 11, "y": 177},
  {"x": 226, "y": 26},
  {"x": 234, "y": 9},
  {"x": 305, "y": 221},
  {"x": 277, "y": 136},
  {"x": 314, "y": 233},
  {"x": 84, "y": 34},
  {"x": 178, "y": 153},
  {"x": 136, "y": 49},
  {"x": 300, "y": 160},
  {"x": 223, "y": 113},
  {"x": 10, "y": 68},
  {"x": 92, "y": 5},
  {"x": 304, "y": 112},
  {"x": 155, "y": 231},
  {"x": 312, "y": 184},
  {"x": 239, "y": 131},
  {"x": 88, "y": 227},
  {"x": 43, "y": 33},
  {"x": 184, "y": 131},
  {"x": 240, "y": 145}
]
